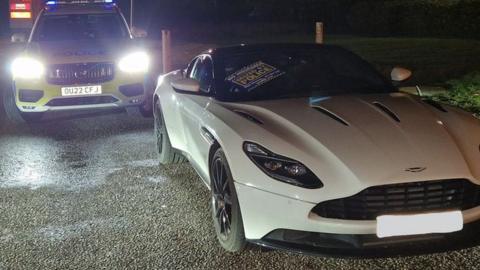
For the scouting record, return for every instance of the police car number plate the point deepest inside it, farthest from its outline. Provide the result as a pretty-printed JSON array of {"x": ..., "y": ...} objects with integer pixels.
[{"x": 82, "y": 90}]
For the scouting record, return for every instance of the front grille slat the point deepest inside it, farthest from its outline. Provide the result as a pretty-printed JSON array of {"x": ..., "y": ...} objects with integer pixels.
[
  {"x": 438, "y": 195},
  {"x": 80, "y": 73},
  {"x": 77, "y": 101}
]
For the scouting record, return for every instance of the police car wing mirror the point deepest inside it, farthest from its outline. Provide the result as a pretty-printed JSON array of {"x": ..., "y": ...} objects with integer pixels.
[
  {"x": 19, "y": 38},
  {"x": 139, "y": 33},
  {"x": 186, "y": 85}
]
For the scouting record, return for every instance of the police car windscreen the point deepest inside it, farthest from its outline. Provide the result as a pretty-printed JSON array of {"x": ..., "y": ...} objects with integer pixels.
[{"x": 80, "y": 27}]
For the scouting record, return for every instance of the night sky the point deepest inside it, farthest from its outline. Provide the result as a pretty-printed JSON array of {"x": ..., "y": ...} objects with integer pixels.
[
  {"x": 144, "y": 11},
  {"x": 3, "y": 17}
]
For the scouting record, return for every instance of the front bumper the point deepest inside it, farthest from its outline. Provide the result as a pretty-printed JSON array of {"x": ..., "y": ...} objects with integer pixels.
[
  {"x": 281, "y": 222},
  {"x": 370, "y": 246},
  {"x": 115, "y": 94}
]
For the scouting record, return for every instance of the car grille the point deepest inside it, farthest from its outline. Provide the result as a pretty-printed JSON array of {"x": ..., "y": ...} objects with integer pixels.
[
  {"x": 459, "y": 194},
  {"x": 76, "y": 101},
  {"x": 69, "y": 74}
]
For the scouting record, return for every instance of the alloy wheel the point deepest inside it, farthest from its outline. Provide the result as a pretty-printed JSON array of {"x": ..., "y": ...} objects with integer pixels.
[{"x": 221, "y": 199}]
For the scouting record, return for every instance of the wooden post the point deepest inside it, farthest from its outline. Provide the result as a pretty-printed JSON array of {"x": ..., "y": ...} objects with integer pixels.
[
  {"x": 319, "y": 33},
  {"x": 166, "y": 51},
  {"x": 131, "y": 14}
]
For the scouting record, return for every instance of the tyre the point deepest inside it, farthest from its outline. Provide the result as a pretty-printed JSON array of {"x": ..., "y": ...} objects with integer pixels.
[
  {"x": 32, "y": 117},
  {"x": 12, "y": 112},
  {"x": 226, "y": 213},
  {"x": 139, "y": 111},
  {"x": 133, "y": 111},
  {"x": 166, "y": 153},
  {"x": 146, "y": 111}
]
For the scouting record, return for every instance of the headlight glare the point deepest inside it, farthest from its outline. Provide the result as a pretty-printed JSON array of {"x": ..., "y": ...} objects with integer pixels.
[
  {"x": 281, "y": 168},
  {"x": 27, "y": 68},
  {"x": 137, "y": 62}
]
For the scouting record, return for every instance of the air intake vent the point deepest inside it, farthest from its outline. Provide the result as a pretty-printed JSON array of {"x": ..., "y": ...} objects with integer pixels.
[
  {"x": 430, "y": 196},
  {"x": 248, "y": 117},
  {"x": 435, "y": 104},
  {"x": 331, "y": 115},
  {"x": 387, "y": 111},
  {"x": 68, "y": 74}
]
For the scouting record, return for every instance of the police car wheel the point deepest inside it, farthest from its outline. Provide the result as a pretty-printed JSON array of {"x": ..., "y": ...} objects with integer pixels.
[
  {"x": 32, "y": 117},
  {"x": 138, "y": 111},
  {"x": 11, "y": 110},
  {"x": 133, "y": 111},
  {"x": 166, "y": 153},
  {"x": 146, "y": 112}
]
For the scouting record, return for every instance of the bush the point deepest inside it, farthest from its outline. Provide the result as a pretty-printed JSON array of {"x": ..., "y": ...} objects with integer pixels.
[
  {"x": 464, "y": 93},
  {"x": 452, "y": 18}
]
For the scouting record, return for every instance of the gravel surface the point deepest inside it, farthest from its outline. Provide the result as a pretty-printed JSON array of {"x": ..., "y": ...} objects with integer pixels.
[{"x": 88, "y": 193}]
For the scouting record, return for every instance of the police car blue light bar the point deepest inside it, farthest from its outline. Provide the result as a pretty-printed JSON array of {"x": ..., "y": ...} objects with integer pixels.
[{"x": 64, "y": 2}]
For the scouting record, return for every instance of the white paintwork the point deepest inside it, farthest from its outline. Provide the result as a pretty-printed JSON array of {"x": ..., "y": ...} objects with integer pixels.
[{"x": 373, "y": 150}]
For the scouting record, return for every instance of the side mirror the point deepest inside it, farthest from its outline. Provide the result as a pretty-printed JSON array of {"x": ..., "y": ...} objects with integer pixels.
[
  {"x": 139, "y": 33},
  {"x": 400, "y": 74},
  {"x": 19, "y": 38},
  {"x": 186, "y": 85}
]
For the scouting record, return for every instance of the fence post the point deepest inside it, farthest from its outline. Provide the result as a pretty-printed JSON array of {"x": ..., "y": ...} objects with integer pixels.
[
  {"x": 166, "y": 51},
  {"x": 319, "y": 33}
]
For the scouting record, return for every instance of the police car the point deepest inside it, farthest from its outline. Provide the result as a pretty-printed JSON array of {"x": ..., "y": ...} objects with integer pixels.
[{"x": 81, "y": 55}]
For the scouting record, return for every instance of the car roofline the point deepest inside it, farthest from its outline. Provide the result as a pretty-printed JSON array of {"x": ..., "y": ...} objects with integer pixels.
[
  {"x": 67, "y": 9},
  {"x": 248, "y": 48}
]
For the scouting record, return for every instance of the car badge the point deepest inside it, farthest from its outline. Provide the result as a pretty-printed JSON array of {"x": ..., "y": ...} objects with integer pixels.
[{"x": 81, "y": 74}]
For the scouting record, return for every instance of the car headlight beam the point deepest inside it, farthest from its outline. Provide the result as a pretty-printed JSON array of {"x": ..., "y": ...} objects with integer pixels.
[
  {"x": 282, "y": 168},
  {"x": 137, "y": 62},
  {"x": 27, "y": 68}
]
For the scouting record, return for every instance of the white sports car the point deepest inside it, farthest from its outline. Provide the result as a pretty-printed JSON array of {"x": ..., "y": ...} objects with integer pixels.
[{"x": 308, "y": 148}]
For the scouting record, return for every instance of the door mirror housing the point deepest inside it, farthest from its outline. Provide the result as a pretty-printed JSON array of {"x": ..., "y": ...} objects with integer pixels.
[
  {"x": 19, "y": 38},
  {"x": 139, "y": 32},
  {"x": 186, "y": 85},
  {"x": 400, "y": 74}
]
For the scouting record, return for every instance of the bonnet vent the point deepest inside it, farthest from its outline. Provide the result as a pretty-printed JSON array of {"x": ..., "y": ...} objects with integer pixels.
[
  {"x": 435, "y": 104},
  {"x": 331, "y": 115},
  {"x": 248, "y": 117},
  {"x": 387, "y": 111}
]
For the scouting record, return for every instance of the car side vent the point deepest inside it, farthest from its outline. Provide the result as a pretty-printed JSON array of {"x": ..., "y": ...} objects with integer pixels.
[
  {"x": 248, "y": 117},
  {"x": 387, "y": 111},
  {"x": 435, "y": 104},
  {"x": 331, "y": 115}
]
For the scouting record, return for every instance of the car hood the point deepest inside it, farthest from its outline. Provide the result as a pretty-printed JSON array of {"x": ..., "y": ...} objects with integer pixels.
[
  {"x": 368, "y": 140},
  {"x": 80, "y": 51}
]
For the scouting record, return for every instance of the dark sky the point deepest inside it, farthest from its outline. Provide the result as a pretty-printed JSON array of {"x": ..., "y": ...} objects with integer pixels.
[
  {"x": 143, "y": 13},
  {"x": 3, "y": 16}
]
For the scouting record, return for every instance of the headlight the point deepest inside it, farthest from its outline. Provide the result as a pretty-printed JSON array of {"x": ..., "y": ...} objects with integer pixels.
[
  {"x": 282, "y": 168},
  {"x": 27, "y": 68},
  {"x": 137, "y": 62}
]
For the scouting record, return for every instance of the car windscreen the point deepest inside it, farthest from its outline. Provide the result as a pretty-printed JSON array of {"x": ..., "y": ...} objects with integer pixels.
[
  {"x": 287, "y": 73},
  {"x": 80, "y": 27}
]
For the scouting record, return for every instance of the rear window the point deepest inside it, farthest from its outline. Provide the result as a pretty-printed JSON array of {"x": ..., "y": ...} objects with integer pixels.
[{"x": 80, "y": 27}]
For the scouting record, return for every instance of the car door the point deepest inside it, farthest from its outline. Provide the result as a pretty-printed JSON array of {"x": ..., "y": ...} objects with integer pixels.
[
  {"x": 171, "y": 107},
  {"x": 194, "y": 116}
]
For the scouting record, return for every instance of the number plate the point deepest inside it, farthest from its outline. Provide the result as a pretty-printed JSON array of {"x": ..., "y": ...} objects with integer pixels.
[
  {"x": 82, "y": 90},
  {"x": 446, "y": 222}
]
